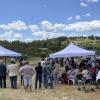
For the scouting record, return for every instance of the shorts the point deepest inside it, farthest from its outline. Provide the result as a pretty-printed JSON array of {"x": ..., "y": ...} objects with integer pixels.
[{"x": 27, "y": 81}]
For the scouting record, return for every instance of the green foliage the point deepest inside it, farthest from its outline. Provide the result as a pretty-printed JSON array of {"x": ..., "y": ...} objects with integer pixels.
[
  {"x": 25, "y": 56},
  {"x": 45, "y": 47}
]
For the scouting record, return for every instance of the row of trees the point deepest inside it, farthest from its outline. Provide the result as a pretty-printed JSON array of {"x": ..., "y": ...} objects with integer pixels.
[{"x": 45, "y": 47}]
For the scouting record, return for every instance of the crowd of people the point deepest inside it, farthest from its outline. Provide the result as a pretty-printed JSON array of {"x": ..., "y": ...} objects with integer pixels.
[
  {"x": 86, "y": 69},
  {"x": 47, "y": 72}
]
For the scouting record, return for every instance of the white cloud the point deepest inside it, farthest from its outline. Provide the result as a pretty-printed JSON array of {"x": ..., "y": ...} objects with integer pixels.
[
  {"x": 54, "y": 35},
  {"x": 92, "y": 1},
  {"x": 27, "y": 39},
  {"x": 56, "y": 30},
  {"x": 88, "y": 14},
  {"x": 16, "y": 25},
  {"x": 83, "y": 4},
  {"x": 69, "y": 18},
  {"x": 97, "y": 34},
  {"x": 34, "y": 28},
  {"x": 46, "y": 25},
  {"x": 43, "y": 31},
  {"x": 51, "y": 30},
  {"x": 9, "y": 33},
  {"x": 18, "y": 36},
  {"x": 84, "y": 26},
  {"x": 59, "y": 27},
  {"x": 77, "y": 17},
  {"x": 5, "y": 35},
  {"x": 72, "y": 34},
  {"x": 48, "y": 30},
  {"x": 11, "y": 36},
  {"x": 39, "y": 33}
]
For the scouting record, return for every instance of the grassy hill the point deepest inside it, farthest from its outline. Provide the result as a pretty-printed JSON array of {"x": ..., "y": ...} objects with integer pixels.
[{"x": 45, "y": 47}]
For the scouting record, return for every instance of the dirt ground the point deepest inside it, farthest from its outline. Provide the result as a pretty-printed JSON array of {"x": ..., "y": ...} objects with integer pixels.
[{"x": 60, "y": 92}]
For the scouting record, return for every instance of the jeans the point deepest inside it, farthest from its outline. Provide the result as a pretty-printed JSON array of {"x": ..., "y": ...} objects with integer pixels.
[
  {"x": 46, "y": 81},
  {"x": 3, "y": 81},
  {"x": 13, "y": 80},
  {"x": 22, "y": 82},
  {"x": 38, "y": 78},
  {"x": 56, "y": 78}
]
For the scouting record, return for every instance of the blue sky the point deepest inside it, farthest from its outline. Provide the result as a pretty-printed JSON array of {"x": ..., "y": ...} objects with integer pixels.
[{"x": 28, "y": 20}]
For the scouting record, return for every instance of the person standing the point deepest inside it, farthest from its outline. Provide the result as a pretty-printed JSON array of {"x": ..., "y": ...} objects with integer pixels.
[
  {"x": 2, "y": 74},
  {"x": 22, "y": 64},
  {"x": 56, "y": 72},
  {"x": 43, "y": 66},
  {"x": 27, "y": 72},
  {"x": 45, "y": 75},
  {"x": 38, "y": 75},
  {"x": 48, "y": 72},
  {"x": 12, "y": 69}
]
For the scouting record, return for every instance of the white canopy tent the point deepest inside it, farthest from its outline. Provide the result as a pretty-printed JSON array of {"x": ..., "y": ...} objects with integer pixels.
[
  {"x": 8, "y": 53},
  {"x": 72, "y": 51}
]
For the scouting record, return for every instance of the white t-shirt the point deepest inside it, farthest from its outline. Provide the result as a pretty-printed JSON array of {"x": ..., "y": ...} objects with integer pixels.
[
  {"x": 98, "y": 76},
  {"x": 43, "y": 64},
  {"x": 85, "y": 73}
]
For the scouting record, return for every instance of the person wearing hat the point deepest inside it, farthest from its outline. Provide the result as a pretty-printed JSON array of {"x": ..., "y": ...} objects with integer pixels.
[{"x": 12, "y": 70}]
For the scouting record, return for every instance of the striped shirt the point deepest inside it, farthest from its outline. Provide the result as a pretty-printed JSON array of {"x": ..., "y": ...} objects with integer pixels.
[{"x": 26, "y": 71}]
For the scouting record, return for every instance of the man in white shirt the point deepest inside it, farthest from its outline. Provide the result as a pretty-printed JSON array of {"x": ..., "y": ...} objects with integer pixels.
[
  {"x": 12, "y": 69},
  {"x": 42, "y": 62}
]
